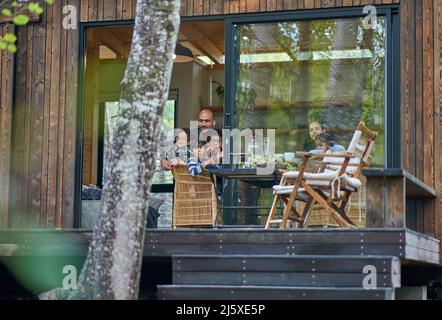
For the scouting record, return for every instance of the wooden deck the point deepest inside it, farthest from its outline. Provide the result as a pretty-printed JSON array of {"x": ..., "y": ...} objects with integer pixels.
[
  {"x": 235, "y": 263},
  {"x": 409, "y": 246}
]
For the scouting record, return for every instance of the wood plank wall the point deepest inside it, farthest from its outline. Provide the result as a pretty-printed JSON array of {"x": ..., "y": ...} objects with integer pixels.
[
  {"x": 95, "y": 10},
  {"x": 438, "y": 110},
  {"x": 419, "y": 108},
  {"x": 44, "y": 123},
  {"x": 44, "y": 118},
  {"x": 6, "y": 89}
]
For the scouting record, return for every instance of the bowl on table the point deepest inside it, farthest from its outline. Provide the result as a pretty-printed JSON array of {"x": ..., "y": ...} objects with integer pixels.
[
  {"x": 279, "y": 157},
  {"x": 289, "y": 156}
]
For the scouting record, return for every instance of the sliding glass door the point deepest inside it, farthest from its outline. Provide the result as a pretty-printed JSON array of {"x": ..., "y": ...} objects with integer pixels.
[{"x": 303, "y": 75}]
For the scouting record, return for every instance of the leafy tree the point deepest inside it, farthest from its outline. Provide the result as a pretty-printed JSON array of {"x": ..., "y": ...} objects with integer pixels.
[{"x": 19, "y": 13}]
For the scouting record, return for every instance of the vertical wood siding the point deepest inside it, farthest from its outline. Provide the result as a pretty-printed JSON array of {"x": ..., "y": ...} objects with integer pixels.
[
  {"x": 6, "y": 89},
  {"x": 44, "y": 123},
  {"x": 420, "y": 106},
  {"x": 95, "y": 10},
  {"x": 437, "y": 35}
]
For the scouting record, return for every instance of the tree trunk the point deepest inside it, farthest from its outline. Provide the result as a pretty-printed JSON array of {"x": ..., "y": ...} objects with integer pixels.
[{"x": 113, "y": 265}]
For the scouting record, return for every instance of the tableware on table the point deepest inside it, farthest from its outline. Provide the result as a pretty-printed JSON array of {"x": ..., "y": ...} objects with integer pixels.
[
  {"x": 281, "y": 165},
  {"x": 279, "y": 157},
  {"x": 289, "y": 156}
]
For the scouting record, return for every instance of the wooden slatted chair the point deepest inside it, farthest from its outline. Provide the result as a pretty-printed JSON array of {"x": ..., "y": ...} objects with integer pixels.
[
  {"x": 194, "y": 199},
  {"x": 330, "y": 188}
]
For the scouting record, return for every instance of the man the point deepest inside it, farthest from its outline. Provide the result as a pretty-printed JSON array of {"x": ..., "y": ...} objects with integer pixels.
[{"x": 205, "y": 122}]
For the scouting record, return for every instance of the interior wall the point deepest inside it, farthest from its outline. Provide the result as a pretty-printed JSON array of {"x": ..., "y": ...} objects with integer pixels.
[
  {"x": 182, "y": 80},
  {"x": 200, "y": 89},
  {"x": 192, "y": 82}
]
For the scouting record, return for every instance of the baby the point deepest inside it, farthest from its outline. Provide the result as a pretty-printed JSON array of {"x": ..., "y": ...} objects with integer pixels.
[{"x": 208, "y": 155}]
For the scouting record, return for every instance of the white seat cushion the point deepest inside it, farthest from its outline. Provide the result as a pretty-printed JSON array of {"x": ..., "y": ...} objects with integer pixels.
[
  {"x": 349, "y": 170},
  {"x": 352, "y": 182},
  {"x": 302, "y": 195},
  {"x": 325, "y": 176},
  {"x": 287, "y": 190},
  {"x": 323, "y": 179}
]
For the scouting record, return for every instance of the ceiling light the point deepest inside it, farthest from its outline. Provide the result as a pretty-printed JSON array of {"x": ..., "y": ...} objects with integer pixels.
[{"x": 183, "y": 54}]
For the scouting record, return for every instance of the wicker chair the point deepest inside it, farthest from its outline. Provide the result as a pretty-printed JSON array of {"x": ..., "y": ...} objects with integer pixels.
[{"x": 195, "y": 202}]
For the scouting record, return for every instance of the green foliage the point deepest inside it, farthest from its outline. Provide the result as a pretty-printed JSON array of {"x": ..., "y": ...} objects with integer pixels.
[
  {"x": 19, "y": 14},
  {"x": 21, "y": 20},
  {"x": 35, "y": 8},
  {"x": 12, "y": 48},
  {"x": 7, "y": 12},
  {"x": 246, "y": 96},
  {"x": 219, "y": 90},
  {"x": 8, "y": 42},
  {"x": 9, "y": 37}
]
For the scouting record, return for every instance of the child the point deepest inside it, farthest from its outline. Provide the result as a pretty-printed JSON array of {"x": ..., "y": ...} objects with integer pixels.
[
  {"x": 208, "y": 155},
  {"x": 211, "y": 152},
  {"x": 326, "y": 142},
  {"x": 179, "y": 153}
]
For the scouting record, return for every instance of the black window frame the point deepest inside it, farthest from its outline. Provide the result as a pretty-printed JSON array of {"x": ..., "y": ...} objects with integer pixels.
[{"x": 83, "y": 28}]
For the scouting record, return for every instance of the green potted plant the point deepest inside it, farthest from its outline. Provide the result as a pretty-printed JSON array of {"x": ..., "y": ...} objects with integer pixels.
[{"x": 219, "y": 91}]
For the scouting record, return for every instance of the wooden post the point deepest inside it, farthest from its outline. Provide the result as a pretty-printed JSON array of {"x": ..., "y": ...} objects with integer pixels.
[
  {"x": 385, "y": 202},
  {"x": 395, "y": 204},
  {"x": 375, "y": 202},
  {"x": 387, "y": 193}
]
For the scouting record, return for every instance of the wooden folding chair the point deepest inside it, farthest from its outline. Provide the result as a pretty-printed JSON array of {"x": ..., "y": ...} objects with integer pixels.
[{"x": 330, "y": 188}]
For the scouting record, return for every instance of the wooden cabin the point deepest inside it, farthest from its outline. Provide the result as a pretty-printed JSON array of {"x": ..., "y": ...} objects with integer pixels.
[{"x": 59, "y": 96}]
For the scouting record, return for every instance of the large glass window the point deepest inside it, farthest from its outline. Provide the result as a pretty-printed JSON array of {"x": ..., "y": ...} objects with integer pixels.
[
  {"x": 200, "y": 84},
  {"x": 162, "y": 181},
  {"x": 304, "y": 77},
  {"x": 106, "y": 57}
]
